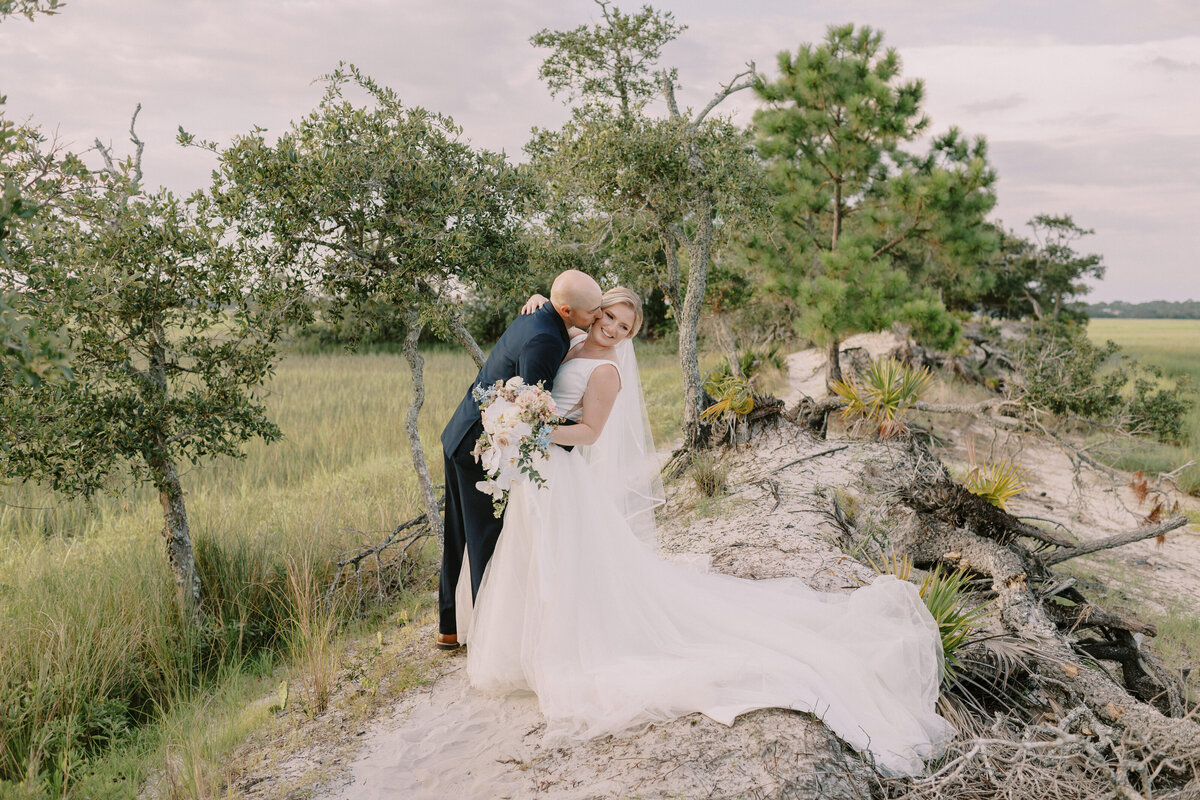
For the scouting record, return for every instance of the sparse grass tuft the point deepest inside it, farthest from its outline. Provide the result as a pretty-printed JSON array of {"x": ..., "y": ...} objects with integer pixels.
[{"x": 708, "y": 471}]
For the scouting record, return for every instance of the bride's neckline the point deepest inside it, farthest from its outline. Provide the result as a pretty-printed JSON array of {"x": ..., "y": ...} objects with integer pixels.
[{"x": 569, "y": 358}]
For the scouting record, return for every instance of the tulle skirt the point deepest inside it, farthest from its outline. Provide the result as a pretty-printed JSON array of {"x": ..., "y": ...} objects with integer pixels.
[{"x": 577, "y": 609}]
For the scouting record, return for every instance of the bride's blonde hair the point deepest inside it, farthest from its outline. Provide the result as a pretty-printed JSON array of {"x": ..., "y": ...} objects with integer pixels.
[{"x": 619, "y": 294}]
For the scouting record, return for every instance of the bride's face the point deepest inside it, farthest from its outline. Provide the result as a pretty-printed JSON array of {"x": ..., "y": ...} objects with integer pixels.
[{"x": 614, "y": 324}]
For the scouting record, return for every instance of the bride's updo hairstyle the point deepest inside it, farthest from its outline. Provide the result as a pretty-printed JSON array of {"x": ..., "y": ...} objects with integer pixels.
[{"x": 619, "y": 294}]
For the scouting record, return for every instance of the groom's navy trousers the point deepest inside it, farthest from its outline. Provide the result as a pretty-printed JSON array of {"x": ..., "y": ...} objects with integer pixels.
[{"x": 532, "y": 347}]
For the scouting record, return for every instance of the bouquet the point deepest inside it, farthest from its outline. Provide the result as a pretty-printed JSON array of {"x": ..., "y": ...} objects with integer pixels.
[{"x": 517, "y": 423}]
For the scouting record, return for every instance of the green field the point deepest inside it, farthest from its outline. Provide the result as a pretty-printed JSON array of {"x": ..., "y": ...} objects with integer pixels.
[
  {"x": 90, "y": 646},
  {"x": 1173, "y": 345}
]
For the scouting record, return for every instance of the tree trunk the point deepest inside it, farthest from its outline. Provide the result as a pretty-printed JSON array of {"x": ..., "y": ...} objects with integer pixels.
[
  {"x": 465, "y": 338},
  {"x": 180, "y": 555},
  {"x": 837, "y": 215},
  {"x": 833, "y": 366},
  {"x": 689, "y": 321},
  {"x": 416, "y": 366},
  {"x": 687, "y": 316}
]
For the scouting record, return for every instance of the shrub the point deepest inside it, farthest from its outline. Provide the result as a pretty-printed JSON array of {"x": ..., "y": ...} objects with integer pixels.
[
  {"x": 1063, "y": 373},
  {"x": 998, "y": 482},
  {"x": 884, "y": 391}
]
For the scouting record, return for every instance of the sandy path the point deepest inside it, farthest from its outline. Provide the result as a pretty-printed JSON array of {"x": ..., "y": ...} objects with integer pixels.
[
  {"x": 444, "y": 740},
  {"x": 448, "y": 740}
]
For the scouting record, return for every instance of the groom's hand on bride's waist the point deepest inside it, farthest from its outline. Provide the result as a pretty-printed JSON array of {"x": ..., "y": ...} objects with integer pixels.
[{"x": 567, "y": 447}]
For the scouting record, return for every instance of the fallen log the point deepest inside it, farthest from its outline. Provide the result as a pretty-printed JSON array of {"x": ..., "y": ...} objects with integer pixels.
[{"x": 953, "y": 503}]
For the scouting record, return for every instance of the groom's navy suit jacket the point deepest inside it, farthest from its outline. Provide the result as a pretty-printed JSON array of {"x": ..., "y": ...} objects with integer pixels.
[{"x": 532, "y": 347}]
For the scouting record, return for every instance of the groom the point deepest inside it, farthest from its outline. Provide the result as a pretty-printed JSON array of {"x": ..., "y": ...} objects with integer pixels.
[{"x": 532, "y": 347}]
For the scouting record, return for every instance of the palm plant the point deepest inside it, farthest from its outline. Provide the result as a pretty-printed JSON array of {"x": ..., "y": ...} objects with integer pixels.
[
  {"x": 732, "y": 398},
  {"x": 946, "y": 595},
  {"x": 884, "y": 391},
  {"x": 998, "y": 482},
  {"x": 982, "y": 672}
]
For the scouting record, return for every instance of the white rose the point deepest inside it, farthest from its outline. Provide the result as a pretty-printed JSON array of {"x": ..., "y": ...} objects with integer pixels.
[{"x": 493, "y": 415}]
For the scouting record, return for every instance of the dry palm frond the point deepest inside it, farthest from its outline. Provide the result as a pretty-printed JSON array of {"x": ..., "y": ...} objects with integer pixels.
[
  {"x": 1139, "y": 485},
  {"x": 733, "y": 397}
]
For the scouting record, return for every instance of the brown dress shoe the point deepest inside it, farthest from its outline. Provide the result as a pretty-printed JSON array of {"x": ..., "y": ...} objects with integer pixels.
[{"x": 448, "y": 641}]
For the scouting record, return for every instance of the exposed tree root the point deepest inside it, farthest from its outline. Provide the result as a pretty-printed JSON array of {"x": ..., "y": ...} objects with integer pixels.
[{"x": 1154, "y": 737}]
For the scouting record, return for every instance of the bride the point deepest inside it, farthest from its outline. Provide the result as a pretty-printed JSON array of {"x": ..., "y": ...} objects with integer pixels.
[{"x": 577, "y": 607}]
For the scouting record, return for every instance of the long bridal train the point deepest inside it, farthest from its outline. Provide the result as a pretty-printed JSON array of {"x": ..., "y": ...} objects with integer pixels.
[{"x": 575, "y": 607}]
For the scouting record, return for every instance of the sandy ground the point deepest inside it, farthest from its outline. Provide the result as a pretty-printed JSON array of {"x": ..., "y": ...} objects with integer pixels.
[{"x": 445, "y": 740}]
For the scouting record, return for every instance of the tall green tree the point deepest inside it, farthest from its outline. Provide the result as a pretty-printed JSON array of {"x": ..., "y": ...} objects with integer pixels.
[
  {"x": 173, "y": 326},
  {"x": 29, "y": 352},
  {"x": 1057, "y": 273},
  {"x": 378, "y": 202},
  {"x": 684, "y": 180},
  {"x": 1044, "y": 276},
  {"x": 862, "y": 228}
]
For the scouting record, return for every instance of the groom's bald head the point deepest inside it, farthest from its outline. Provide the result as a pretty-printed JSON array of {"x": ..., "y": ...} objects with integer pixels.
[{"x": 576, "y": 297}]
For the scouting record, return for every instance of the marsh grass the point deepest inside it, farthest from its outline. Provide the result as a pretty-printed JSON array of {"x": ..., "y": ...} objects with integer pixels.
[
  {"x": 1173, "y": 345},
  {"x": 97, "y": 671}
]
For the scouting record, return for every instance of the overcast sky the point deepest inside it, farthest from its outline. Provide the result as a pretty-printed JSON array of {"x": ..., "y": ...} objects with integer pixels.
[{"x": 1091, "y": 107}]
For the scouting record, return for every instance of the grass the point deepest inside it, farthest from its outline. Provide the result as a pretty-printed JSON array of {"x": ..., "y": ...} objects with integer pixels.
[
  {"x": 1173, "y": 345},
  {"x": 97, "y": 673}
]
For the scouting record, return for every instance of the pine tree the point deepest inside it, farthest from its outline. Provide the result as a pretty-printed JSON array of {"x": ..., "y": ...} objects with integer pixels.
[{"x": 861, "y": 227}]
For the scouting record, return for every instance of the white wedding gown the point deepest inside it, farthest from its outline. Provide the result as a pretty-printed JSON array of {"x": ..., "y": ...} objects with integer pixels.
[{"x": 576, "y": 608}]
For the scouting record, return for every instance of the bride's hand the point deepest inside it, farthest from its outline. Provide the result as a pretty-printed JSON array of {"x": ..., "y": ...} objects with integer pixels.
[{"x": 534, "y": 302}]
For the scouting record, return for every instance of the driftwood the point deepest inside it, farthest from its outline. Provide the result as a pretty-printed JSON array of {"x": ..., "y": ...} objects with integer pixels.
[
  {"x": 810, "y": 457},
  {"x": 1129, "y": 537}
]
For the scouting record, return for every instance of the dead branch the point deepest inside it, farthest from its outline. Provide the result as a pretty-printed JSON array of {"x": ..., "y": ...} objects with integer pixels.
[
  {"x": 1086, "y": 615},
  {"x": 406, "y": 539},
  {"x": 809, "y": 457},
  {"x": 1136, "y": 535}
]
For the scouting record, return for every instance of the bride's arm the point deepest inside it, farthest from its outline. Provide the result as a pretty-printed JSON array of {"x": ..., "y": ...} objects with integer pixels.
[
  {"x": 535, "y": 302},
  {"x": 598, "y": 400}
]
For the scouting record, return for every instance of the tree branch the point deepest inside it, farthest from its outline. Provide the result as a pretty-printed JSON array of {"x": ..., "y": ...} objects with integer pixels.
[
  {"x": 1136, "y": 535},
  {"x": 729, "y": 88}
]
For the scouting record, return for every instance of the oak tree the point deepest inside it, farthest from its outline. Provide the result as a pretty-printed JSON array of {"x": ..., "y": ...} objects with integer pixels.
[{"x": 373, "y": 201}]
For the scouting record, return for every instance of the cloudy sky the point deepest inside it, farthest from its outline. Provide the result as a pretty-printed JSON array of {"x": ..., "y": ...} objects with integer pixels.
[{"x": 1091, "y": 107}]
